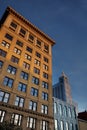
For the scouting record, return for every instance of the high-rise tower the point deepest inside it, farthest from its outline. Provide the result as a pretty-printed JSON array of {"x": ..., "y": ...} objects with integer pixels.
[
  {"x": 62, "y": 89},
  {"x": 25, "y": 73}
]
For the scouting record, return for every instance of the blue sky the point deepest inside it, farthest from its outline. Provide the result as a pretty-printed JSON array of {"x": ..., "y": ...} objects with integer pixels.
[{"x": 66, "y": 22}]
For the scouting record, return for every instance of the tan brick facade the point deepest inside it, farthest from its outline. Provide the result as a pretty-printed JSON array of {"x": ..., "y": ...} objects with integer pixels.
[{"x": 32, "y": 59}]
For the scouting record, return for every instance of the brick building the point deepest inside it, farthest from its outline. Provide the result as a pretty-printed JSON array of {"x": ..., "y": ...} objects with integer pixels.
[{"x": 25, "y": 73}]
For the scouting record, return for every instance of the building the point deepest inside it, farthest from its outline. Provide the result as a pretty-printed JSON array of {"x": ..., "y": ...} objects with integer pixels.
[
  {"x": 65, "y": 117},
  {"x": 25, "y": 73},
  {"x": 65, "y": 110},
  {"x": 82, "y": 120},
  {"x": 62, "y": 89}
]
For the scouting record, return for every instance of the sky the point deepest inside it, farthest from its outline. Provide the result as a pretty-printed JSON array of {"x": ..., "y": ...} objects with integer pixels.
[{"x": 65, "y": 21}]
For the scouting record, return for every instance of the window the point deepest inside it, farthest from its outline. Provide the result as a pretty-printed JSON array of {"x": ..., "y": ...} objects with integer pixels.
[
  {"x": 31, "y": 122},
  {"x": 38, "y": 55},
  {"x": 37, "y": 62},
  {"x": 17, "y": 51},
  {"x": 19, "y": 43},
  {"x": 24, "y": 75},
  {"x": 29, "y": 49},
  {"x": 33, "y": 106},
  {"x": 55, "y": 107},
  {"x": 46, "y": 60},
  {"x": 45, "y": 84},
  {"x": 45, "y": 67},
  {"x": 14, "y": 59},
  {"x": 46, "y": 48},
  {"x": 28, "y": 57},
  {"x": 56, "y": 124},
  {"x": 22, "y": 32},
  {"x": 16, "y": 119},
  {"x": 38, "y": 43},
  {"x": 37, "y": 71},
  {"x": 26, "y": 65},
  {"x": 45, "y": 75},
  {"x": 60, "y": 109},
  {"x": 35, "y": 80},
  {"x": 44, "y": 96},
  {"x": 65, "y": 111},
  {"x": 44, "y": 125},
  {"x": 11, "y": 70},
  {"x": 3, "y": 53},
  {"x": 34, "y": 92},
  {"x": 31, "y": 37},
  {"x": 22, "y": 87},
  {"x": 19, "y": 101},
  {"x": 69, "y": 112},
  {"x": 66, "y": 126},
  {"x": 8, "y": 82},
  {"x": 1, "y": 64},
  {"x": 8, "y": 36},
  {"x": 5, "y": 44},
  {"x": 44, "y": 109},
  {"x": 13, "y": 26},
  {"x": 71, "y": 126},
  {"x": 2, "y": 115},
  {"x": 61, "y": 125},
  {"x": 4, "y": 97}
]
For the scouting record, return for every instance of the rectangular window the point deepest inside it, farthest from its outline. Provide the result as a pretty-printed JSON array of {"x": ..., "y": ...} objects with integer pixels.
[
  {"x": 55, "y": 107},
  {"x": 32, "y": 105},
  {"x": 45, "y": 67},
  {"x": 38, "y": 55},
  {"x": 36, "y": 70},
  {"x": 44, "y": 125},
  {"x": 34, "y": 92},
  {"x": 38, "y": 43},
  {"x": 13, "y": 26},
  {"x": 31, "y": 38},
  {"x": 19, "y": 101},
  {"x": 16, "y": 119},
  {"x": 44, "y": 96},
  {"x": 29, "y": 49},
  {"x": 56, "y": 124},
  {"x": 45, "y": 75},
  {"x": 5, "y": 44},
  {"x": 1, "y": 64},
  {"x": 3, "y": 53},
  {"x": 35, "y": 80},
  {"x": 69, "y": 112},
  {"x": 8, "y": 36},
  {"x": 61, "y": 125},
  {"x": 37, "y": 62},
  {"x": 28, "y": 57},
  {"x": 14, "y": 59},
  {"x": 17, "y": 51},
  {"x": 45, "y": 84},
  {"x": 44, "y": 109},
  {"x": 22, "y": 87},
  {"x": 60, "y": 109},
  {"x": 46, "y": 48},
  {"x": 8, "y": 82},
  {"x": 46, "y": 60},
  {"x": 31, "y": 123},
  {"x": 11, "y": 70},
  {"x": 4, "y": 97},
  {"x": 22, "y": 32},
  {"x": 24, "y": 75},
  {"x": 66, "y": 126},
  {"x": 2, "y": 115},
  {"x": 19, "y": 43},
  {"x": 26, "y": 65}
]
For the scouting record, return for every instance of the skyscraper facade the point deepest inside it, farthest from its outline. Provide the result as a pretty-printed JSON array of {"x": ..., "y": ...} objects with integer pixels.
[{"x": 25, "y": 73}]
